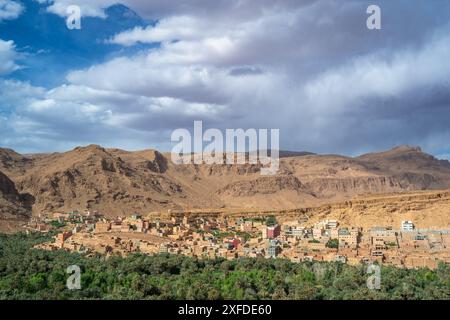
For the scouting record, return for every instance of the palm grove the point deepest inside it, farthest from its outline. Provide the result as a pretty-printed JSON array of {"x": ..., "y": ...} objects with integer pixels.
[{"x": 27, "y": 273}]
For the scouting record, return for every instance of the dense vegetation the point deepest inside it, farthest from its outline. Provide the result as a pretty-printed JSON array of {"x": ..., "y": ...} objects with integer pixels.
[
  {"x": 27, "y": 273},
  {"x": 332, "y": 243}
]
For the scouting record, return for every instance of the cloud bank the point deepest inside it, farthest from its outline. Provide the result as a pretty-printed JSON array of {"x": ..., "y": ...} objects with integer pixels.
[{"x": 310, "y": 68}]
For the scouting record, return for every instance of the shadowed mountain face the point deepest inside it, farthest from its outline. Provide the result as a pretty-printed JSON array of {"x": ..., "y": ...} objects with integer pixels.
[
  {"x": 118, "y": 182},
  {"x": 15, "y": 208}
]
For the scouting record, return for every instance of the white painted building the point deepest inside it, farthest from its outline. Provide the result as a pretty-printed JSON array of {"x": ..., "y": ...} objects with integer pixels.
[{"x": 407, "y": 225}]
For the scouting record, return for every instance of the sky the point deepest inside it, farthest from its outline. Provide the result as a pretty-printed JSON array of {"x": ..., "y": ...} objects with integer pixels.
[{"x": 138, "y": 69}]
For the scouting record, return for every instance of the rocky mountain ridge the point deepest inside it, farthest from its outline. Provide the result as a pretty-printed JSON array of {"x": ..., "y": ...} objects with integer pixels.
[{"x": 118, "y": 182}]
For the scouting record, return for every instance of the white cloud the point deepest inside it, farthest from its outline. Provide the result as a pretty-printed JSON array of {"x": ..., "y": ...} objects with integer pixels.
[
  {"x": 167, "y": 29},
  {"x": 10, "y": 9},
  {"x": 8, "y": 56},
  {"x": 71, "y": 115},
  {"x": 380, "y": 76}
]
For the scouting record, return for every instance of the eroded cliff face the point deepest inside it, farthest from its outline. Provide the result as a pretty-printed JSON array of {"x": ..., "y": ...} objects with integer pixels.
[
  {"x": 118, "y": 182},
  {"x": 375, "y": 184},
  {"x": 7, "y": 188},
  {"x": 356, "y": 185},
  {"x": 428, "y": 209},
  {"x": 262, "y": 185},
  {"x": 15, "y": 208}
]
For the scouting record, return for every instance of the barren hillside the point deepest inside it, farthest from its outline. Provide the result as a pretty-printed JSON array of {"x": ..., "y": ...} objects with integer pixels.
[
  {"x": 428, "y": 209},
  {"x": 119, "y": 182},
  {"x": 15, "y": 208}
]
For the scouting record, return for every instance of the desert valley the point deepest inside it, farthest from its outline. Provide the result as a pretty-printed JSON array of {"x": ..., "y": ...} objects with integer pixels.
[{"x": 392, "y": 207}]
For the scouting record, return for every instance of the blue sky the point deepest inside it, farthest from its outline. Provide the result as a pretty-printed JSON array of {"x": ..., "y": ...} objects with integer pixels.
[
  {"x": 50, "y": 49},
  {"x": 140, "y": 69}
]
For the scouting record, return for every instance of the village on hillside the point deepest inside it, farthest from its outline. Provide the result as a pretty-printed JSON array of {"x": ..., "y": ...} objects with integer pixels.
[{"x": 235, "y": 237}]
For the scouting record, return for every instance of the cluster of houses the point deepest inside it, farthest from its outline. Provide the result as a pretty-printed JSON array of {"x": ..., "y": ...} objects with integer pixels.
[{"x": 230, "y": 238}]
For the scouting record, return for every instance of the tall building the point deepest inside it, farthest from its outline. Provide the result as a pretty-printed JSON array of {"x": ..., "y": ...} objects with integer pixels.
[
  {"x": 273, "y": 249},
  {"x": 273, "y": 231},
  {"x": 264, "y": 233}
]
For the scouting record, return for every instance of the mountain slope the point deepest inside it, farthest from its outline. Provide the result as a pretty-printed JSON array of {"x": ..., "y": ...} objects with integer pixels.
[
  {"x": 118, "y": 182},
  {"x": 14, "y": 207}
]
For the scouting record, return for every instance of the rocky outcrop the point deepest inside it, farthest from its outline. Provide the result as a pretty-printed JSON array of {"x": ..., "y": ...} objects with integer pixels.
[
  {"x": 428, "y": 209},
  {"x": 262, "y": 185},
  {"x": 359, "y": 185},
  {"x": 12, "y": 204}
]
